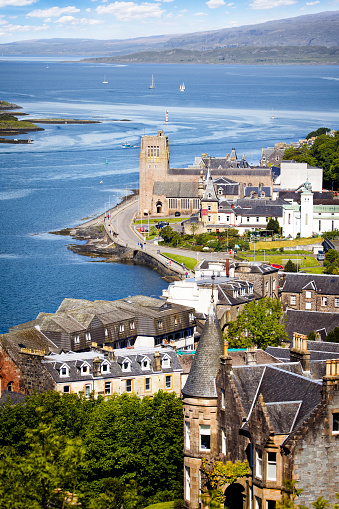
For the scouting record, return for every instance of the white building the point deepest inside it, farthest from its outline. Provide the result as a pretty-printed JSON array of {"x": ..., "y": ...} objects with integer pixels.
[{"x": 293, "y": 175}]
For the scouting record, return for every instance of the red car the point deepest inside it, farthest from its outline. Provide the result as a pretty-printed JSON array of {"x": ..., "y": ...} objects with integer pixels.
[{"x": 276, "y": 266}]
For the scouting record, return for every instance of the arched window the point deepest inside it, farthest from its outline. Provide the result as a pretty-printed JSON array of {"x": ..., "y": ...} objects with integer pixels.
[
  {"x": 159, "y": 207},
  {"x": 10, "y": 386}
]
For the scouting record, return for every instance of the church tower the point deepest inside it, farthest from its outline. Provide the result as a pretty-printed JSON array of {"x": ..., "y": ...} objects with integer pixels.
[
  {"x": 154, "y": 166},
  {"x": 200, "y": 408},
  {"x": 209, "y": 202},
  {"x": 306, "y": 210}
]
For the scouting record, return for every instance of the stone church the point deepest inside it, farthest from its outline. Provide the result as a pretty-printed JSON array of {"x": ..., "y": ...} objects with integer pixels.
[{"x": 164, "y": 190}]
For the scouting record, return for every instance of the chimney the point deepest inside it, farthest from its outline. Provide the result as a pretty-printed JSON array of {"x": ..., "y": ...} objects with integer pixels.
[
  {"x": 251, "y": 356},
  {"x": 96, "y": 367},
  {"x": 109, "y": 352},
  {"x": 299, "y": 352},
  {"x": 157, "y": 362},
  {"x": 226, "y": 359},
  {"x": 331, "y": 379},
  {"x": 227, "y": 267},
  {"x": 317, "y": 336}
]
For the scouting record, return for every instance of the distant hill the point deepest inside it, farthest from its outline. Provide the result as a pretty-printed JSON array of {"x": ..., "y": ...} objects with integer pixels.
[{"x": 311, "y": 30}]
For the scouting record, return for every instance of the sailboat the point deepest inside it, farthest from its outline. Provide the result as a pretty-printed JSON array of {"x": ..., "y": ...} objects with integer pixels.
[
  {"x": 105, "y": 80},
  {"x": 152, "y": 84},
  {"x": 182, "y": 87}
]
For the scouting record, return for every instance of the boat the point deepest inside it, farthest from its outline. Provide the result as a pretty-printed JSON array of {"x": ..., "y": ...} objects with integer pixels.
[
  {"x": 125, "y": 144},
  {"x": 152, "y": 85},
  {"x": 105, "y": 80},
  {"x": 182, "y": 87}
]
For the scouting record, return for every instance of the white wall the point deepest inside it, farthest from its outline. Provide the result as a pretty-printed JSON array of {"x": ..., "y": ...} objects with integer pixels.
[{"x": 293, "y": 175}]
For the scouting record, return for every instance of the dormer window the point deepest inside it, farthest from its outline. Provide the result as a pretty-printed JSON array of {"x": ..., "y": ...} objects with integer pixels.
[
  {"x": 145, "y": 364},
  {"x": 88, "y": 336},
  {"x": 166, "y": 362},
  {"x": 105, "y": 367},
  {"x": 235, "y": 293},
  {"x": 64, "y": 371},
  {"x": 85, "y": 369},
  {"x": 121, "y": 327},
  {"x": 126, "y": 365}
]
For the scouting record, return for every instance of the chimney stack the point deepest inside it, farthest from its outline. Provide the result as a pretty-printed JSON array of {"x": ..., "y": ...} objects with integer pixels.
[
  {"x": 227, "y": 267},
  {"x": 299, "y": 352},
  {"x": 226, "y": 359},
  {"x": 157, "y": 362},
  {"x": 96, "y": 367},
  {"x": 331, "y": 379},
  {"x": 251, "y": 356}
]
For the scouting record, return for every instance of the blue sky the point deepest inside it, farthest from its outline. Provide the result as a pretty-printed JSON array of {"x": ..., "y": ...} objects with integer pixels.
[{"x": 106, "y": 19}]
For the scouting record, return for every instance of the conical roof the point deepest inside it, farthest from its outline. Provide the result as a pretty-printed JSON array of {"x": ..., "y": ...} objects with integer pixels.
[
  {"x": 201, "y": 379},
  {"x": 209, "y": 193}
]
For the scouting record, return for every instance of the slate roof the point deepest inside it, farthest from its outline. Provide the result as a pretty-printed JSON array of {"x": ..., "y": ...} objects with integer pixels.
[
  {"x": 304, "y": 322},
  {"x": 74, "y": 361},
  {"x": 11, "y": 397},
  {"x": 176, "y": 189},
  {"x": 201, "y": 379},
  {"x": 258, "y": 190},
  {"x": 324, "y": 284}
]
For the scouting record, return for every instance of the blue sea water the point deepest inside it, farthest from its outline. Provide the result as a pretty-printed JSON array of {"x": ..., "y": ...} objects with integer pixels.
[{"x": 71, "y": 172}]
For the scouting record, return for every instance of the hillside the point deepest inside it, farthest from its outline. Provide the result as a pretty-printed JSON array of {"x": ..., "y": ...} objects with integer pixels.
[{"x": 312, "y": 30}]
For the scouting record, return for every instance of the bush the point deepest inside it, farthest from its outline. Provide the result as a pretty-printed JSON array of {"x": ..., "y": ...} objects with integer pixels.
[{"x": 290, "y": 267}]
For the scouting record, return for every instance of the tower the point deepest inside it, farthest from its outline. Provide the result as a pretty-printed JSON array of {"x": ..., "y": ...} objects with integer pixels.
[
  {"x": 154, "y": 165},
  {"x": 200, "y": 407},
  {"x": 306, "y": 211},
  {"x": 209, "y": 202}
]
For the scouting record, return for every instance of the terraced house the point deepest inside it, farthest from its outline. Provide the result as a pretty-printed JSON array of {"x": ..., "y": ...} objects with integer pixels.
[{"x": 310, "y": 292}]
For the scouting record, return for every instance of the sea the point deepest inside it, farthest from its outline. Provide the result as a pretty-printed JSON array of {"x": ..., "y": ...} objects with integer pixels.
[{"x": 73, "y": 172}]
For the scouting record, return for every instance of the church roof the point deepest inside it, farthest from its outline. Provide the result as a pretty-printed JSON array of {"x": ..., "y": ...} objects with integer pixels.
[
  {"x": 206, "y": 363},
  {"x": 209, "y": 193},
  {"x": 176, "y": 189}
]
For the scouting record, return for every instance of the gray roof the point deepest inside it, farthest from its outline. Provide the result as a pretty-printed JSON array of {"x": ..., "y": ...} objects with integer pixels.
[
  {"x": 323, "y": 284},
  {"x": 201, "y": 379},
  {"x": 304, "y": 322},
  {"x": 11, "y": 397},
  {"x": 176, "y": 189},
  {"x": 258, "y": 190}
]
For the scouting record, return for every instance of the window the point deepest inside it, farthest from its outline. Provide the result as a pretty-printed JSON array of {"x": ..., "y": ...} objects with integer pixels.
[
  {"x": 272, "y": 466},
  {"x": 191, "y": 315},
  {"x": 324, "y": 301},
  {"x": 160, "y": 324},
  {"x": 168, "y": 381},
  {"x": 10, "y": 386},
  {"x": 64, "y": 371},
  {"x": 205, "y": 437},
  {"x": 258, "y": 463},
  {"x": 335, "y": 422},
  {"x": 187, "y": 435},
  {"x": 308, "y": 294},
  {"x": 248, "y": 219},
  {"x": 227, "y": 218},
  {"x": 128, "y": 385},
  {"x": 273, "y": 284},
  {"x": 223, "y": 440},
  {"x": 175, "y": 320},
  {"x": 222, "y": 398},
  {"x": 308, "y": 305},
  {"x": 172, "y": 203},
  {"x": 257, "y": 219},
  {"x": 208, "y": 207},
  {"x": 88, "y": 336},
  {"x": 67, "y": 389},
  {"x": 166, "y": 363},
  {"x": 147, "y": 384},
  {"x": 145, "y": 364},
  {"x": 185, "y": 203},
  {"x": 219, "y": 218},
  {"x": 258, "y": 503},
  {"x": 105, "y": 368},
  {"x": 266, "y": 286},
  {"x": 196, "y": 203},
  {"x": 132, "y": 325},
  {"x": 219, "y": 190},
  {"x": 126, "y": 366},
  {"x": 270, "y": 504},
  {"x": 293, "y": 300},
  {"x": 106, "y": 332},
  {"x": 209, "y": 219},
  {"x": 336, "y": 302},
  {"x": 87, "y": 390},
  {"x": 85, "y": 369},
  {"x": 107, "y": 388},
  {"x": 188, "y": 483},
  {"x": 121, "y": 327},
  {"x": 76, "y": 338}
]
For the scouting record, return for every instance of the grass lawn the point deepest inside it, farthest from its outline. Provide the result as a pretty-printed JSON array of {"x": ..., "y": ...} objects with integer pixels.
[
  {"x": 156, "y": 221},
  {"x": 162, "y": 505},
  {"x": 314, "y": 270},
  {"x": 262, "y": 244},
  {"x": 190, "y": 263},
  {"x": 282, "y": 259}
]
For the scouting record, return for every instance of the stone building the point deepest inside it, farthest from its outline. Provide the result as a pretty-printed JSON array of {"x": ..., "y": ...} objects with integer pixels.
[
  {"x": 21, "y": 353},
  {"x": 135, "y": 321},
  {"x": 142, "y": 371},
  {"x": 164, "y": 190},
  {"x": 282, "y": 418},
  {"x": 310, "y": 292}
]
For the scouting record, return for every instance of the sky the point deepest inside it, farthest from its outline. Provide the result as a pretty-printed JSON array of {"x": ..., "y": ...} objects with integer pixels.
[{"x": 104, "y": 19}]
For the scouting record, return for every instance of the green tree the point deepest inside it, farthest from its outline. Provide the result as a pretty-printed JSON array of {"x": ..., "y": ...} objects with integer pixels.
[
  {"x": 312, "y": 336},
  {"x": 331, "y": 262},
  {"x": 333, "y": 335},
  {"x": 290, "y": 267},
  {"x": 331, "y": 234},
  {"x": 258, "y": 323},
  {"x": 273, "y": 226},
  {"x": 318, "y": 132},
  {"x": 217, "y": 476}
]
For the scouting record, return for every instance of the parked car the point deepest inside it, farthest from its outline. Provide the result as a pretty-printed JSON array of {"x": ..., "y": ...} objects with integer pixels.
[
  {"x": 320, "y": 256},
  {"x": 161, "y": 224},
  {"x": 177, "y": 213},
  {"x": 276, "y": 266}
]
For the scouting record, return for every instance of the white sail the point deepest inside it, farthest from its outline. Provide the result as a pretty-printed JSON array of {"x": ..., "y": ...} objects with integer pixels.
[
  {"x": 152, "y": 85},
  {"x": 182, "y": 87}
]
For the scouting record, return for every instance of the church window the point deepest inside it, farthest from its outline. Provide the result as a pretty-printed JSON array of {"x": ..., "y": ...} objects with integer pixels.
[
  {"x": 172, "y": 203},
  {"x": 258, "y": 463},
  {"x": 196, "y": 203},
  {"x": 335, "y": 422},
  {"x": 272, "y": 466},
  {"x": 185, "y": 203},
  {"x": 205, "y": 437},
  {"x": 10, "y": 386}
]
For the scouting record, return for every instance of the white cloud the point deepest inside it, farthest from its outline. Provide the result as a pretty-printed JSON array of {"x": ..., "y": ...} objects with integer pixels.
[
  {"x": 16, "y": 3},
  {"x": 86, "y": 21},
  {"x": 270, "y": 4},
  {"x": 88, "y": 10},
  {"x": 200, "y": 14},
  {"x": 67, "y": 19},
  {"x": 11, "y": 29},
  {"x": 229, "y": 5},
  {"x": 312, "y": 3},
  {"x": 213, "y": 4},
  {"x": 126, "y": 11},
  {"x": 183, "y": 11},
  {"x": 167, "y": 1},
  {"x": 52, "y": 12}
]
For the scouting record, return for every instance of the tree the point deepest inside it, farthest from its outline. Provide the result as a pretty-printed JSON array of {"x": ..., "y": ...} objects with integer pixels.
[
  {"x": 193, "y": 227},
  {"x": 258, "y": 323},
  {"x": 318, "y": 132},
  {"x": 312, "y": 336},
  {"x": 333, "y": 335},
  {"x": 273, "y": 226},
  {"x": 290, "y": 267},
  {"x": 331, "y": 262},
  {"x": 217, "y": 476}
]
